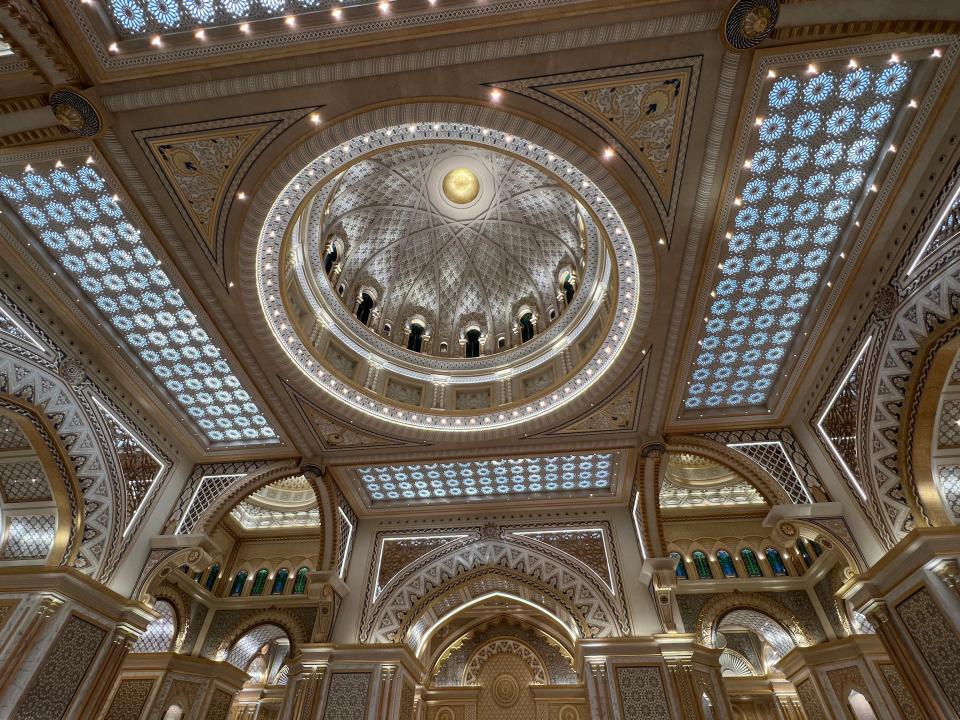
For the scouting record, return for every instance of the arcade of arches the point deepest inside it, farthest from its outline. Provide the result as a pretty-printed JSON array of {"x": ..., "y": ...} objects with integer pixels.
[{"x": 479, "y": 360}]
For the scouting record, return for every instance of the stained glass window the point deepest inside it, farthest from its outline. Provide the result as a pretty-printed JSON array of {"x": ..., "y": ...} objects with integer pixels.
[
  {"x": 259, "y": 582},
  {"x": 804, "y": 553},
  {"x": 300, "y": 581},
  {"x": 819, "y": 136},
  {"x": 817, "y": 550},
  {"x": 776, "y": 562},
  {"x": 280, "y": 582},
  {"x": 750, "y": 563},
  {"x": 702, "y": 565},
  {"x": 238, "y": 582},
  {"x": 726, "y": 564},
  {"x": 212, "y": 577},
  {"x": 681, "y": 567},
  {"x": 87, "y": 231}
]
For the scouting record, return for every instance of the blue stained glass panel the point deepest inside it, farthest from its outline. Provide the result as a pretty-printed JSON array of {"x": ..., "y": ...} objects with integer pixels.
[
  {"x": 478, "y": 479},
  {"x": 86, "y": 230},
  {"x": 238, "y": 582},
  {"x": 818, "y": 137},
  {"x": 776, "y": 562},
  {"x": 681, "y": 567},
  {"x": 726, "y": 564}
]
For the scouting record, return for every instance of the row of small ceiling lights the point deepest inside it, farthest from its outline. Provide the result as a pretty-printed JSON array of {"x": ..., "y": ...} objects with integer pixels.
[
  {"x": 290, "y": 20},
  {"x": 495, "y": 95}
]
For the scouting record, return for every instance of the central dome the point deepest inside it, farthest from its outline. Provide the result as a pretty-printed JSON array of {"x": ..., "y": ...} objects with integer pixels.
[
  {"x": 408, "y": 307},
  {"x": 452, "y": 250}
]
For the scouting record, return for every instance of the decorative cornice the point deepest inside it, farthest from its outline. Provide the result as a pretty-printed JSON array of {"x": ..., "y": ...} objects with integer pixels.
[{"x": 596, "y": 36}]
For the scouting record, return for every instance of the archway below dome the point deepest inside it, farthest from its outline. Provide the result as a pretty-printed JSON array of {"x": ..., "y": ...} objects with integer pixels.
[{"x": 503, "y": 659}]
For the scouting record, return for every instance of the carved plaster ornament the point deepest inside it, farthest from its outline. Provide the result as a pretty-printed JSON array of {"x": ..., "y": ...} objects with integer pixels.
[{"x": 750, "y": 22}]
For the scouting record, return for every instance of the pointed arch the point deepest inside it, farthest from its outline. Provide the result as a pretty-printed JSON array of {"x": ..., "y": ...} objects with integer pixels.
[
  {"x": 920, "y": 428},
  {"x": 406, "y": 611},
  {"x": 290, "y": 621},
  {"x": 757, "y": 476},
  {"x": 718, "y": 606}
]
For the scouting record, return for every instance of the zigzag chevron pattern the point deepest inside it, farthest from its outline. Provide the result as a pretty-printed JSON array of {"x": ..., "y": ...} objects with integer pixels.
[
  {"x": 83, "y": 440},
  {"x": 911, "y": 325},
  {"x": 602, "y": 613}
]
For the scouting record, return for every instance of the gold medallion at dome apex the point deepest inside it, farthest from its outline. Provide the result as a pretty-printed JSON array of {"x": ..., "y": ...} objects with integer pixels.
[{"x": 461, "y": 186}]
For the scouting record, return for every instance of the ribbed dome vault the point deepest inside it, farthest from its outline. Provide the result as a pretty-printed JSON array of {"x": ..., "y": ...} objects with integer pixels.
[{"x": 453, "y": 237}]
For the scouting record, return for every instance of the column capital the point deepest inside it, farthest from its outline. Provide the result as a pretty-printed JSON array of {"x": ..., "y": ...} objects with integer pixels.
[{"x": 949, "y": 571}]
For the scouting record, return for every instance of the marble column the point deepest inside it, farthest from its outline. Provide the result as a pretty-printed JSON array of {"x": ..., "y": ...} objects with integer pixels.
[
  {"x": 63, "y": 639},
  {"x": 911, "y": 598},
  {"x": 826, "y": 675}
]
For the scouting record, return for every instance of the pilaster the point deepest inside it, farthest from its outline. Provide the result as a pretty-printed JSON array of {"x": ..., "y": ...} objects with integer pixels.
[{"x": 911, "y": 599}]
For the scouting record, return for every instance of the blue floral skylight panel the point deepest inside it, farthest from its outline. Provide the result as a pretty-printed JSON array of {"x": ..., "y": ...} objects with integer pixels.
[
  {"x": 819, "y": 138},
  {"x": 490, "y": 479},
  {"x": 137, "y": 18},
  {"x": 86, "y": 230}
]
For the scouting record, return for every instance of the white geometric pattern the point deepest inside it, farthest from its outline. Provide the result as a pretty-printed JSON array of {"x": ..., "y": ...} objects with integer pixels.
[
  {"x": 509, "y": 647},
  {"x": 451, "y": 270},
  {"x": 23, "y": 482},
  {"x": 251, "y": 642},
  {"x": 949, "y": 431},
  {"x": 622, "y": 300},
  {"x": 819, "y": 136},
  {"x": 477, "y": 479},
  {"x": 159, "y": 634},
  {"x": 949, "y": 476},
  {"x": 741, "y": 493},
  {"x": 98, "y": 244},
  {"x": 592, "y": 601},
  {"x": 772, "y": 457},
  {"x": 11, "y": 436},
  {"x": 29, "y": 537},
  {"x": 931, "y": 306},
  {"x": 209, "y": 489},
  {"x": 85, "y": 442}
]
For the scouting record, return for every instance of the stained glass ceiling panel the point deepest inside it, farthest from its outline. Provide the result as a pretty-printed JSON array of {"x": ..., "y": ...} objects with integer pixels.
[
  {"x": 136, "y": 18},
  {"x": 142, "y": 18},
  {"x": 820, "y": 140},
  {"x": 543, "y": 477},
  {"x": 87, "y": 231}
]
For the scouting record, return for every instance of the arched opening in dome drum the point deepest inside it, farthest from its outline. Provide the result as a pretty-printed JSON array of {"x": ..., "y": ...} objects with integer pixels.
[
  {"x": 331, "y": 259},
  {"x": 364, "y": 307},
  {"x": 415, "y": 339},
  {"x": 567, "y": 288},
  {"x": 526, "y": 327},
  {"x": 472, "y": 345}
]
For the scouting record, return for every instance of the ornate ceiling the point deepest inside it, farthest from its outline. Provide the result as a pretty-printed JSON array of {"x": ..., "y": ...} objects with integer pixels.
[
  {"x": 446, "y": 261},
  {"x": 726, "y": 205}
]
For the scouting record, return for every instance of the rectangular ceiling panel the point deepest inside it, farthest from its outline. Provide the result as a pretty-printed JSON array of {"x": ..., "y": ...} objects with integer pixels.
[
  {"x": 817, "y": 147},
  {"x": 89, "y": 234}
]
